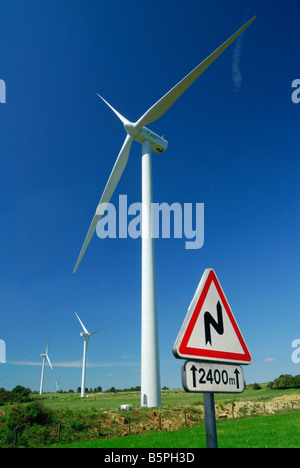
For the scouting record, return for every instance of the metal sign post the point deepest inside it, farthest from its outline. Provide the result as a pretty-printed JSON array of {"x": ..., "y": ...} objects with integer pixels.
[
  {"x": 210, "y": 378},
  {"x": 210, "y": 420}
]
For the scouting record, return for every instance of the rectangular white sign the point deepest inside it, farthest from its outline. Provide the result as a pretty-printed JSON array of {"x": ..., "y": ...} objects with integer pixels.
[{"x": 212, "y": 377}]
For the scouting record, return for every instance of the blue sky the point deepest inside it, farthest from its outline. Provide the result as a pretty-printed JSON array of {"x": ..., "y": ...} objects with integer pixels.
[{"x": 233, "y": 146}]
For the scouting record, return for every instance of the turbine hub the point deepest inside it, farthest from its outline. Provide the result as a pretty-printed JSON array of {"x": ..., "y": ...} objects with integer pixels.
[
  {"x": 158, "y": 144},
  {"x": 131, "y": 129}
]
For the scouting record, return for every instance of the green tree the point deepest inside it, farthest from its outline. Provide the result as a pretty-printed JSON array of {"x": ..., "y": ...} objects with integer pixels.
[
  {"x": 286, "y": 381},
  {"x": 256, "y": 386}
]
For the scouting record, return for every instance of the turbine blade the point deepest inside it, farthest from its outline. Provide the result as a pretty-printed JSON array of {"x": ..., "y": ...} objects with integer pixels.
[
  {"x": 93, "y": 333},
  {"x": 121, "y": 117},
  {"x": 161, "y": 106},
  {"x": 83, "y": 327},
  {"x": 49, "y": 361},
  {"x": 113, "y": 180}
]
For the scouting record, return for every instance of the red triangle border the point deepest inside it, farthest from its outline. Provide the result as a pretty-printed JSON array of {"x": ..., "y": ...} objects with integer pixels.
[{"x": 184, "y": 350}]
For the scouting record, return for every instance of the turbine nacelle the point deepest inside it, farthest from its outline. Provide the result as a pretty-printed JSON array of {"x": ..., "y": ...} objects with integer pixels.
[
  {"x": 85, "y": 335},
  {"x": 158, "y": 143},
  {"x": 140, "y": 133}
]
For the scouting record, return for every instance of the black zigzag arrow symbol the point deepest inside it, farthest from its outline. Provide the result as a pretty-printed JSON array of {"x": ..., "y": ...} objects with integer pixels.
[{"x": 209, "y": 322}]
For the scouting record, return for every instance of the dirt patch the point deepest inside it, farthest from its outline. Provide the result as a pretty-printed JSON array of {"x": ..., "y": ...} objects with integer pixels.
[
  {"x": 136, "y": 421},
  {"x": 252, "y": 408}
]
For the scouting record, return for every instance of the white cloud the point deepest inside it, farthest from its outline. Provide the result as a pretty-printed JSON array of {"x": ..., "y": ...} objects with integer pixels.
[
  {"x": 25, "y": 363},
  {"x": 75, "y": 364},
  {"x": 270, "y": 359}
]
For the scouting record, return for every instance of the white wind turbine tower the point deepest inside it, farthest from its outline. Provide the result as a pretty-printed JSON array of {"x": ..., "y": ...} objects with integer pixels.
[
  {"x": 44, "y": 356},
  {"x": 86, "y": 335},
  {"x": 150, "y": 374}
]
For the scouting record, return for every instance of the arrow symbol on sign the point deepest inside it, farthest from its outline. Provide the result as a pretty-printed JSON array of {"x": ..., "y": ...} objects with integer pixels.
[
  {"x": 210, "y": 321},
  {"x": 236, "y": 372},
  {"x": 194, "y": 370}
]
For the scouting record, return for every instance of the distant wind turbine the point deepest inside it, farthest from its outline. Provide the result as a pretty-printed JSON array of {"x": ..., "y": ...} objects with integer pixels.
[
  {"x": 150, "y": 374},
  {"x": 44, "y": 356},
  {"x": 86, "y": 335},
  {"x": 57, "y": 384}
]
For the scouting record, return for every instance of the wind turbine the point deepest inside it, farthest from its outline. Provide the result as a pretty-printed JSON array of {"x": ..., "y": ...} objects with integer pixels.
[
  {"x": 57, "y": 384},
  {"x": 44, "y": 356},
  {"x": 150, "y": 374},
  {"x": 86, "y": 335}
]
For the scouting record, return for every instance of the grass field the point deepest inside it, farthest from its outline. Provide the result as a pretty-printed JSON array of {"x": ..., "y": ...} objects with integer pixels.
[
  {"x": 170, "y": 398},
  {"x": 274, "y": 431}
]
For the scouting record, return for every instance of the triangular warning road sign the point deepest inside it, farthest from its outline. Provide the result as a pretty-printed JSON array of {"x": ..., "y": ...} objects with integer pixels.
[{"x": 210, "y": 331}]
